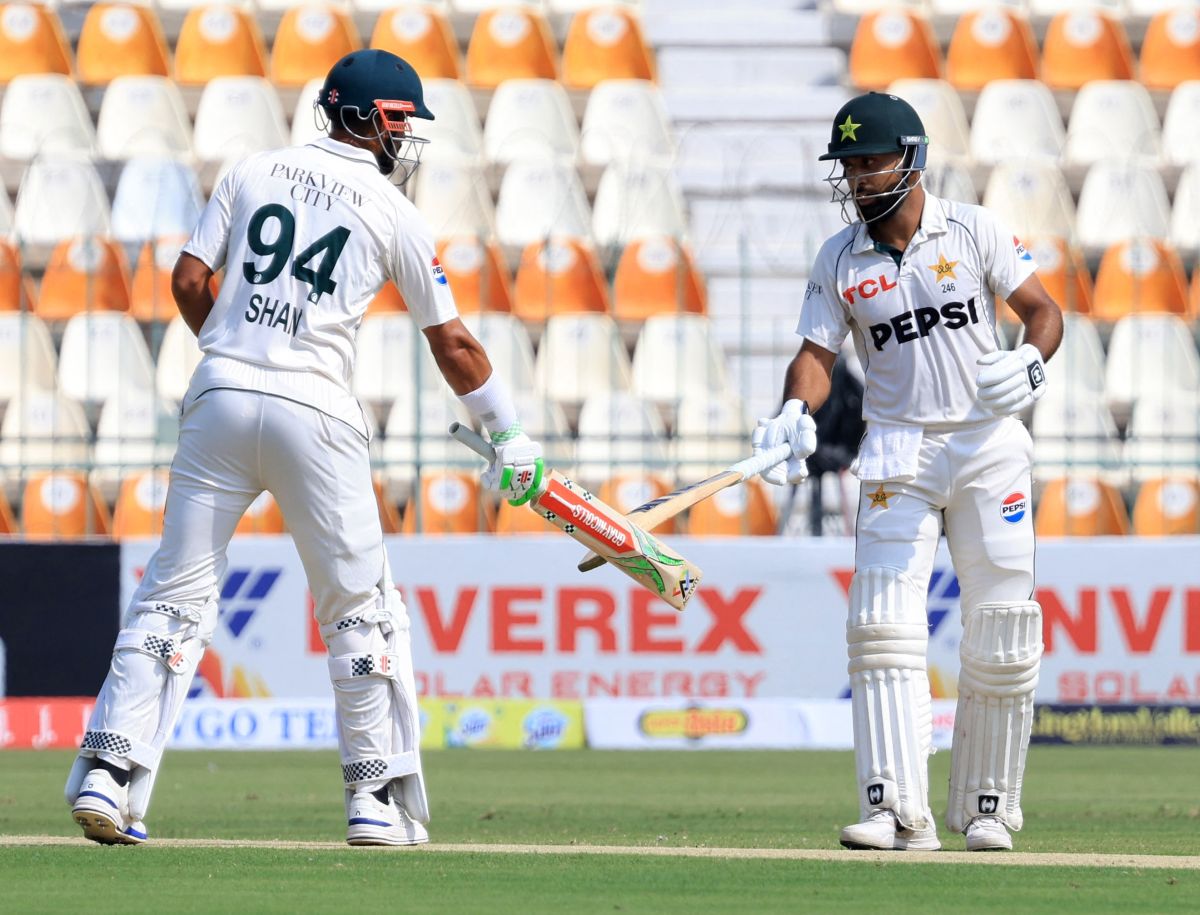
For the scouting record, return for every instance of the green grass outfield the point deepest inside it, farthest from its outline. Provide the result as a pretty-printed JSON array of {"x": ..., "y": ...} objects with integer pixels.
[{"x": 1090, "y": 802}]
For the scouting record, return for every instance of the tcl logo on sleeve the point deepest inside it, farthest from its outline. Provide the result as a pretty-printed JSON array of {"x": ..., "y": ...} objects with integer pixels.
[{"x": 439, "y": 275}]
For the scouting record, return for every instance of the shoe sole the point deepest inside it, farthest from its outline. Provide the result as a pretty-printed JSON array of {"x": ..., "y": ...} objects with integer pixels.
[
  {"x": 990, "y": 848},
  {"x": 101, "y": 828},
  {"x": 371, "y": 835}
]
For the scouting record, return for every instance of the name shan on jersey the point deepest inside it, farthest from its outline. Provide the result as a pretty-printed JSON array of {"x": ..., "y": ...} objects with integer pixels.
[
  {"x": 273, "y": 313},
  {"x": 912, "y": 325},
  {"x": 314, "y": 188}
]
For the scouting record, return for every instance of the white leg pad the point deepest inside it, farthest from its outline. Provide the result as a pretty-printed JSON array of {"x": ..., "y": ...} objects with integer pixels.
[
  {"x": 375, "y": 697},
  {"x": 888, "y": 635},
  {"x": 1001, "y": 654}
]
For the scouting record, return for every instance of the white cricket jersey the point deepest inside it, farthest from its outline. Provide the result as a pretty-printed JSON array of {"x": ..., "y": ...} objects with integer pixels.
[
  {"x": 920, "y": 327},
  {"x": 307, "y": 236}
]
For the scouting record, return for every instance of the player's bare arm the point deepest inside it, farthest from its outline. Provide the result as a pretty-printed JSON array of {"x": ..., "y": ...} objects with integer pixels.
[
  {"x": 190, "y": 287},
  {"x": 458, "y": 355},
  {"x": 1040, "y": 314},
  {"x": 808, "y": 375}
]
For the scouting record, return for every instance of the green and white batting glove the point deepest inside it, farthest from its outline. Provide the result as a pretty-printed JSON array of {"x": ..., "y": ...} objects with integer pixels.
[{"x": 517, "y": 471}]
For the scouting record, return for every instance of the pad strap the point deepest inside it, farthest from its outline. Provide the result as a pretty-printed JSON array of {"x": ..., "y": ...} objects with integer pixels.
[
  {"x": 349, "y": 666},
  {"x": 136, "y": 751},
  {"x": 176, "y": 654},
  {"x": 374, "y": 768}
]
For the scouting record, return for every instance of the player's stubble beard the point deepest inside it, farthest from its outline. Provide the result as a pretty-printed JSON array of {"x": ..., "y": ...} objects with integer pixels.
[{"x": 887, "y": 204}]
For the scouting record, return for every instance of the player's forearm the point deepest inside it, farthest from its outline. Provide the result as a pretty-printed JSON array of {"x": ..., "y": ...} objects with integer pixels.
[
  {"x": 189, "y": 286},
  {"x": 1044, "y": 329},
  {"x": 808, "y": 376},
  {"x": 459, "y": 356}
]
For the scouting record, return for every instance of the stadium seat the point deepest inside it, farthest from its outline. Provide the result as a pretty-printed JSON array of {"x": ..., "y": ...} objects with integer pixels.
[
  {"x": 62, "y": 505},
  {"x": 539, "y": 200},
  {"x": 605, "y": 43},
  {"x": 27, "y": 357},
  {"x": 675, "y": 356},
  {"x": 557, "y": 276},
  {"x": 1167, "y": 507},
  {"x": 711, "y": 432},
  {"x": 1063, "y": 273},
  {"x": 989, "y": 44},
  {"x": 42, "y": 428},
  {"x": 60, "y": 197},
  {"x": 388, "y": 300},
  {"x": 454, "y": 199},
  {"x": 625, "y": 120},
  {"x": 1031, "y": 198},
  {"x": 262, "y": 517},
  {"x": 1181, "y": 125},
  {"x": 950, "y": 180},
  {"x": 518, "y": 519},
  {"x": 893, "y": 44},
  {"x": 1085, "y": 45},
  {"x": 218, "y": 40},
  {"x": 941, "y": 111},
  {"x": 305, "y": 125},
  {"x": 1138, "y": 276},
  {"x": 1112, "y": 117},
  {"x": 1171, "y": 49},
  {"x": 389, "y": 516},
  {"x": 456, "y": 133},
  {"x": 155, "y": 196},
  {"x": 1080, "y": 507},
  {"x": 150, "y": 298},
  {"x": 448, "y": 503},
  {"x": 143, "y": 116},
  {"x": 1015, "y": 120},
  {"x": 178, "y": 357},
  {"x": 103, "y": 354},
  {"x": 1079, "y": 362},
  {"x": 393, "y": 358},
  {"x": 545, "y": 421},
  {"x": 1140, "y": 341},
  {"x": 636, "y": 201},
  {"x": 310, "y": 39},
  {"x": 579, "y": 355},
  {"x": 508, "y": 347},
  {"x": 744, "y": 510},
  {"x": 44, "y": 113},
  {"x": 1164, "y": 435},
  {"x": 1121, "y": 200},
  {"x": 1074, "y": 432},
  {"x": 85, "y": 274},
  {"x": 31, "y": 41},
  {"x": 141, "y": 505},
  {"x": 137, "y": 429},
  {"x": 510, "y": 42},
  {"x": 416, "y": 431},
  {"x": 238, "y": 115},
  {"x": 656, "y": 275},
  {"x": 422, "y": 35},
  {"x": 626, "y": 491},
  {"x": 477, "y": 272},
  {"x": 120, "y": 39},
  {"x": 6, "y": 212},
  {"x": 1185, "y": 214},
  {"x": 530, "y": 119},
  {"x": 619, "y": 433},
  {"x": 16, "y": 287},
  {"x": 8, "y": 521}
]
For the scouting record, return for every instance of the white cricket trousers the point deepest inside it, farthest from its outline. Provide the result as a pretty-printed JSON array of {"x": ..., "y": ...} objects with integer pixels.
[{"x": 233, "y": 445}]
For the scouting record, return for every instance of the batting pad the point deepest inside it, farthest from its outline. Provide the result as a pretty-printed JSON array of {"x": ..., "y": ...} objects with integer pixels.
[
  {"x": 1001, "y": 654},
  {"x": 887, "y": 634}
]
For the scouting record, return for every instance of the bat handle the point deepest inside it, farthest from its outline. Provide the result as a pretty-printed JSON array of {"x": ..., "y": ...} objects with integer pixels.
[
  {"x": 473, "y": 440},
  {"x": 759, "y": 462}
]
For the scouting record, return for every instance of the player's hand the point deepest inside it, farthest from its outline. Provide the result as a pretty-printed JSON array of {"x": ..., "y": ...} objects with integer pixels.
[
  {"x": 794, "y": 426},
  {"x": 1011, "y": 381},
  {"x": 516, "y": 473}
]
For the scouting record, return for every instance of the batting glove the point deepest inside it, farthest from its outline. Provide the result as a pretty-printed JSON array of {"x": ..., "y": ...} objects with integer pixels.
[
  {"x": 794, "y": 426},
  {"x": 1011, "y": 381},
  {"x": 516, "y": 472}
]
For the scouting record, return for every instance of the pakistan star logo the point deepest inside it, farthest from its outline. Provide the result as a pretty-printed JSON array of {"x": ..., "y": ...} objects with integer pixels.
[
  {"x": 944, "y": 269},
  {"x": 848, "y": 129},
  {"x": 880, "y": 497}
]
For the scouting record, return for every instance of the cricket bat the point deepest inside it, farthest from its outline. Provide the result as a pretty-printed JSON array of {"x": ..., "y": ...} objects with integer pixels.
[
  {"x": 653, "y": 513},
  {"x": 604, "y": 531}
]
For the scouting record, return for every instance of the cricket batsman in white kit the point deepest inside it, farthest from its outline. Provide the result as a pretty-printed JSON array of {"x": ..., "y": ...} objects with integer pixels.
[
  {"x": 307, "y": 235},
  {"x": 915, "y": 280}
]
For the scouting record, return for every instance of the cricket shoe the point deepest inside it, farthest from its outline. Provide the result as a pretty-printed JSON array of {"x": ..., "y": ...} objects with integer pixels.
[
  {"x": 987, "y": 833},
  {"x": 373, "y": 822},
  {"x": 882, "y": 832},
  {"x": 100, "y": 809}
]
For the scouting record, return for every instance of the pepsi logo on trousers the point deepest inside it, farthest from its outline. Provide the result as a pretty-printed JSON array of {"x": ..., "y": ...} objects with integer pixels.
[{"x": 1014, "y": 506}]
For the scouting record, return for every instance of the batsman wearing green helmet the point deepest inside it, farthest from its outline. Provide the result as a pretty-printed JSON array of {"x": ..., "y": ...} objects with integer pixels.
[{"x": 914, "y": 280}]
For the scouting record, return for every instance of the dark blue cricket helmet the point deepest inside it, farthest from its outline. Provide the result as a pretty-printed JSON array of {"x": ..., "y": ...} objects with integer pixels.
[{"x": 362, "y": 78}]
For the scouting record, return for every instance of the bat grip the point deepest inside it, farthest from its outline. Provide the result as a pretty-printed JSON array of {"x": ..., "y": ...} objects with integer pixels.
[
  {"x": 473, "y": 440},
  {"x": 759, "y": 462}
]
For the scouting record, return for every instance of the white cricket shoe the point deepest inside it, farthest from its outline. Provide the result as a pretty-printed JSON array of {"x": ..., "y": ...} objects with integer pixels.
[
  {"x": 375, "y": 823},
  {"x": 882, "y": 832},
  {"x": 987, "y": 833},
  {"x": 101, "y": 809}
]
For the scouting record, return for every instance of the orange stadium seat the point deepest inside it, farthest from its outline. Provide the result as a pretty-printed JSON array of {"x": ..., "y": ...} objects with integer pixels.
[
  {"x": 656, "y": 275},
  {"x": 62, "y": 504},
  {"x": 388, "y": 299},
  {"x": 150, "y": 297},
  {"x": 510, "y": 42},
  {"x": 8, "y": 523},
  {"x": 1194, "y": 296},
  {"x": 16, "y": 288},
  {"x": 477, "y": 273},
  {"x": 262, "y": 517},
  {"x": 141, "y": 503},
  {"x": 744, "y": 510},
  {"x": 218, "y": 40},
  {"x": 421, "y": 35},
  {"x": 1171, "y": 49},
  {"x": 893, "y": 44},
  {"x": 1063, "y": 272},
  {"x": 605, "y": 43},
  {"x": 626, "y": 491},
  {"x": 1085, "y": 45},
  {"x": 31, "y": 41},
  {"x": 559, "y": 276},
  {"x": 1080, "y": 507},
  {"x": 989, "y": 44},
  {"x": 449, "y": 503},
  {"x": 311, "y": 39},
  {"x": 1139, "y": 276},
  {"x": 88, "y": 273},
  {"x": 120, "y": 39},
  {"x": 1167, "y": 507},
  {"x": 518, "y": 519},
  {"x": 389, "y": 517}
]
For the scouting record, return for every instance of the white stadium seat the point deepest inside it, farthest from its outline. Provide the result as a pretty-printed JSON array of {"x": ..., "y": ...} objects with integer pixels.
[
  {"x": 581, "y": 354},
  {"x": 619, "y": 432},
  {"x": 675, "y": 356},
  {"x": 763, "y": 235},
  {"x": 305, "y": 128},
  {"x": 1112, "y": 119},
  {"x": 741, "y": 158},
  {"x": 103, "y": 353},
  {"x": 27, "y": 359},
  {"x": 155, "y": 197},
  {"x": 711, "y": 432},
  {"x": 950, "y": 180},
  {"x": 530, "y": 119},
  {"x": 1181, "y": 125},
  {"x": 541, "y": 199},
  {"x": 1147, "y": 354},
  {"x": 455, "y": 134},
  {"x": 143, "y": 116},
  {"x": 1185, "y": 214},
  {"x": 42, "y": 429},
  {"x": 416, "y": 429},
  {"x": 393, "y": 360},
  {"x": 1121, "y": 201},
  {"x": 178, "y": 356},
  {"x": 237, "y": 116},
  {"x": 625, "y": 120},
  {"x": 1164, "y": 435},
  {"x": 136, "y": 430},
  {"x": 60, "y": 197},
  {"x": 1074, "y": 433},
  {"x": 1016, "y": 119},
  {"x": 1079, "y": 361},
  {"x": 941, "y": 111},
  {"x": 1031, "y": 198},
  {"x": 454, "y": 199},
  {"x": 634, "y": 201},
  {"x": 507, "y": 343},
  {"x": 43, "y": 114}
]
